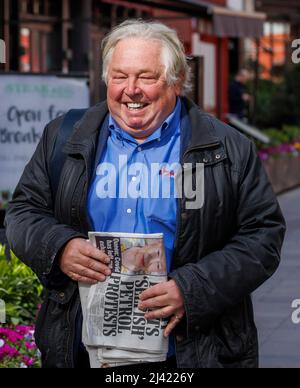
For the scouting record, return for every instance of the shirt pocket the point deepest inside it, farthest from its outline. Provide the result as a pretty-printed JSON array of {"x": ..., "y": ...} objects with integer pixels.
[{"x": 161, "y": 210}]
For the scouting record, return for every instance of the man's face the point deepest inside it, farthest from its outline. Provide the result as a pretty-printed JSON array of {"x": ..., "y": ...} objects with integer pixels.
[
  {"x": 148, "y": 259},
  {"x": 245, "y": 77},
  {"x": 139, "y": 97}
]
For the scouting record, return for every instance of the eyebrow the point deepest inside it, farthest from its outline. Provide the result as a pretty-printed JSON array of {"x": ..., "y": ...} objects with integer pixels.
[{"x": 143, "y": 71}]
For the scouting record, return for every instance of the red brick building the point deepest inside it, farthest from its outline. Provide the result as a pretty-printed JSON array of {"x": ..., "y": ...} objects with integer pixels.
[
  {"x": 281, "y": 28},
  {"x": 63, "y": 37}
]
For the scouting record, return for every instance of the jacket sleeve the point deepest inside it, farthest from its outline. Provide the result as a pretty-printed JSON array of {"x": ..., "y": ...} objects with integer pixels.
[
  {"x": 223, "y": 278},
  {"x": 33, "y": 233}
]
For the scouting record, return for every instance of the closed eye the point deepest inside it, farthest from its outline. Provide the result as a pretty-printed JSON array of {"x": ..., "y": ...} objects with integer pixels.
[{"x": 149, "y": 79}]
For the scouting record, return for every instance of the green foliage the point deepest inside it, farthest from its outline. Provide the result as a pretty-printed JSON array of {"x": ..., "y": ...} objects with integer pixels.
[
  {"x": 285, "y": 135},
  {"x": 288, "y": 134},
  {"x": 292, "y": 132},
  {"x": 278, "y": 103},
  {"x": 20, "y": 289},
  {"x": 264, "y": 114}
]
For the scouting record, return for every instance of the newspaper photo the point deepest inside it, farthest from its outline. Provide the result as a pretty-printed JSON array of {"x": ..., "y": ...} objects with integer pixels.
[{"x": 115, "y": 331}]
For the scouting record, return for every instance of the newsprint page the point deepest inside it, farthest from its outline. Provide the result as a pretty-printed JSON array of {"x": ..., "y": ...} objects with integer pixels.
[{"x": 115, "y": 331}]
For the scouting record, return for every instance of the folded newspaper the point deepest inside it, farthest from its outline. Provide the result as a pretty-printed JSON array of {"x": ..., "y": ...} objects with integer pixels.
[{"x": 115, "y": 331}]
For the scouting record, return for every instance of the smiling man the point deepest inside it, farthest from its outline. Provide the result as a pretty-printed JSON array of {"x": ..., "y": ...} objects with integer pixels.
[
  {"x": 217, "y": 254},
  {"x": 139, "y": 98}
]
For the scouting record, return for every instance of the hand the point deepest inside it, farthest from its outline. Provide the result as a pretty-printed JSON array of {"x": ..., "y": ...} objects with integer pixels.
[
  {"x": 84, "y": 263},
  {"x": 166, "y": 301}
]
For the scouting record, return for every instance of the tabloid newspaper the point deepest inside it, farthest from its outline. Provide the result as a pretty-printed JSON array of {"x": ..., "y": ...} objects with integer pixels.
[{"x": 115, "y": 331}]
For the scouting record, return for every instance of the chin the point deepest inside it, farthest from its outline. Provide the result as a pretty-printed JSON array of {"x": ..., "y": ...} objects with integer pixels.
[{"x": 136, "y": 127}]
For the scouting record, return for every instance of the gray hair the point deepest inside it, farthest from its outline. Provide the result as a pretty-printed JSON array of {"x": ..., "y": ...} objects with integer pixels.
[{"x": 173, "y": 56}]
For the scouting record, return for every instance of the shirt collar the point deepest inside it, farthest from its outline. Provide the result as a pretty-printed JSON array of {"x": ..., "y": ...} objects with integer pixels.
[{"x": 169, "y": 125}]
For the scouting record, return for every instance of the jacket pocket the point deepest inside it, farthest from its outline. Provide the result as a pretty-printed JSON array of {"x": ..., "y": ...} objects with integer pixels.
[
  {"x": 53, "y": 329},
  {"x": 236, "y": 337},
  {"x": 39, "y": 334}
]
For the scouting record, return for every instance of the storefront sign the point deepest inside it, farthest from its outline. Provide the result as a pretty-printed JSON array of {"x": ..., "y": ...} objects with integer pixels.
[{"x": 27, "y": 104}]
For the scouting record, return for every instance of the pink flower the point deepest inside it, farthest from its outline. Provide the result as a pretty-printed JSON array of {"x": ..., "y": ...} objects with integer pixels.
[
  {"x": 30, "y": 345},
  {"x": 7, "y": 350},
  {"x": 23, "y": 329},
  {"x": 4, "y": 331},
  {"x": 28, "y": 361},
  {"x": 14, "y": 337},
  {"x": 263, "y": 155},
  {"x": 15, "y": 343}
]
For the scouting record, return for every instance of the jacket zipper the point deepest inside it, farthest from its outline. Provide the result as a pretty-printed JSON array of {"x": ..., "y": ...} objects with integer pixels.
[
  {"x": 178, "y": 226},
  {"x": 70, "y": 349}
]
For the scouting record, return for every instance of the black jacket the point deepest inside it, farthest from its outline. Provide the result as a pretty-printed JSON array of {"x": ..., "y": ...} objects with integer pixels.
[{"x": 224, "y": 251}]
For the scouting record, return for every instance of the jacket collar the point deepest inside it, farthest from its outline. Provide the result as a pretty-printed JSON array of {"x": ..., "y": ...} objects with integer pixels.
[
  {"x": 200, "y": 136},
  {"x": 88, "y": 126},
  {"x": 201, "y": 129}
]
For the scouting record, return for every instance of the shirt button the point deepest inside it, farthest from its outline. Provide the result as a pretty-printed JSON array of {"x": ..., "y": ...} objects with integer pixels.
[
  {"x": 140, "y": 149},
  {"x": 218, "y": 156},
  {"x": 129, "y": 211},
  {"x": 159, "y": 139},
  {"x": 134, "y": 179},
  {"x": 205, "y": 160}
]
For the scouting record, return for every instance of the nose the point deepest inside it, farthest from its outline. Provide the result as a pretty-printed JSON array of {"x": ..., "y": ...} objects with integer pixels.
[{"x": 133, "y": 88}]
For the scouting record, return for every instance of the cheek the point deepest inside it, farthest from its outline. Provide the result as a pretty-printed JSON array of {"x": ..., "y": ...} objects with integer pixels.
[
  {"x": 153, "y": 93},
  {"x": 160, "y": 96},
  {"x": 114, "y": 92}
]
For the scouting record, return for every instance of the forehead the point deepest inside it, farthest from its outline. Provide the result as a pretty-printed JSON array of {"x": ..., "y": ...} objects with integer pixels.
[{"x": 137, "y": 54}]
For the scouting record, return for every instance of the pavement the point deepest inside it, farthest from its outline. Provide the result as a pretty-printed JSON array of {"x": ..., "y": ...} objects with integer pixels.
[{"x": 279, "y": 337}]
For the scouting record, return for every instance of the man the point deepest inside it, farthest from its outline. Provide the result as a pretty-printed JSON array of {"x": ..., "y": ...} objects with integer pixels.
[
  {"x": 217, "y": 254},
  {"x": 147, "y": 259},
  {"x": 238, "y": 96}
]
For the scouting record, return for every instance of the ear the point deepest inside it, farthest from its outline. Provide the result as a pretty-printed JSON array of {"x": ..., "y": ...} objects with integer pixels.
[{"x": 178, "y": 86}]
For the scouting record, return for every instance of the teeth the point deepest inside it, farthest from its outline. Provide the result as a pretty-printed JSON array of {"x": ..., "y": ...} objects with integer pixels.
[{"x": 135, "y": 106}]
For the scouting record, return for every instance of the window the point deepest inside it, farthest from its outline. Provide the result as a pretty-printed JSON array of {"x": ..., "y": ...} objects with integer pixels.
[
  {"x": 25, "y": 57},
  {"x": 39, "y": 51},
  {"x": 41, "y": 7}
]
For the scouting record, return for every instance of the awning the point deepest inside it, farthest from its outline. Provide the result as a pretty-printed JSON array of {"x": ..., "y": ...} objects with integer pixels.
[
  {"x": 233, "y": 24},
  {"x": 229, "y": 23}
]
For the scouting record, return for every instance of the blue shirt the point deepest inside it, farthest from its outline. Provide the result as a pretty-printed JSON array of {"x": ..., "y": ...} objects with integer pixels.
[
  {"x": 134, "y": 187},
  {"x": 133, "y": 190}
]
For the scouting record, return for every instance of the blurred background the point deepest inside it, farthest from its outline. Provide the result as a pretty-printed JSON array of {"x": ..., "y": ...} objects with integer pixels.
[{"x": 245, "y": 56}]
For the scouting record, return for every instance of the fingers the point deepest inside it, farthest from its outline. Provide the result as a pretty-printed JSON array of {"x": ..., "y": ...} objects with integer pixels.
[
  {"x": 164, "y": 301},
  {"x": 88, "y": 250},
  {"x": 93, "y": 265},
  {"x": 83, "y": 262},
  {"x": 171, "y": 326},
  {"x": 165, "y": 312},
  {"x": 174, "y": 321},
  {"x": 156, "y": 302},
  {"x": 81, "y": 279},
  {"x": 89, "y": 269},
  {"x": 155, "y": 291},
  {"x": 85, "y": 272}
]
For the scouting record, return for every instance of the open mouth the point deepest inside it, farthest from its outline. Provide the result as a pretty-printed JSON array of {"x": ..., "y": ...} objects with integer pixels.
[{"x": 136, "y": 106}]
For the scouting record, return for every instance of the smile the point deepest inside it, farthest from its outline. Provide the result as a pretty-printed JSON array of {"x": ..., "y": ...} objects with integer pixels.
[{"x": 136, "y": 106}]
